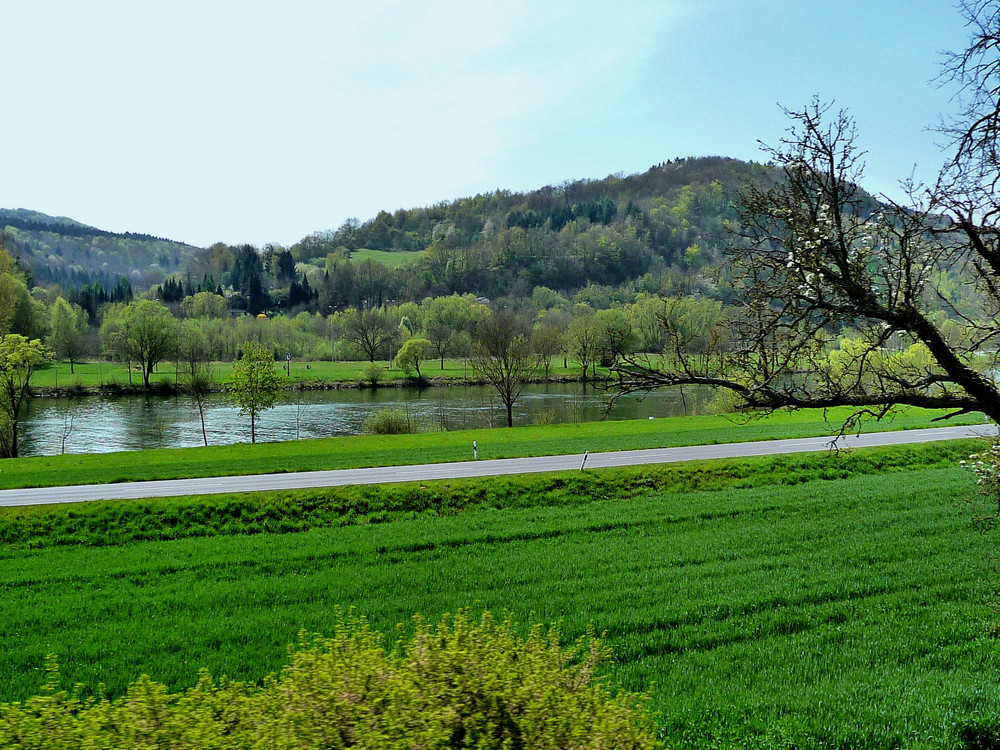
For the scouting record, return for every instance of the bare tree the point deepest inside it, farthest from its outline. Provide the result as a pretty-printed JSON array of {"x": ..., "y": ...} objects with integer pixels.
[
  {"x": 583, "y": 340},
  {"x": 975, "y": 127},
  {"x": 372, "y": 331},
  {"x": 502, "y": 355},
  {"x": 197, "y": 386},
  {"x": 829, "y": 276},
  {"x": 547, "y": 342}
]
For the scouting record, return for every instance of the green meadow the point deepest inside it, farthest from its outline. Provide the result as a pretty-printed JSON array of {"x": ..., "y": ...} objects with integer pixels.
[
  {"x": 832, "y": 600},
  {"x": 390, "y": 258},
  {"x": 316, "y": 373}
]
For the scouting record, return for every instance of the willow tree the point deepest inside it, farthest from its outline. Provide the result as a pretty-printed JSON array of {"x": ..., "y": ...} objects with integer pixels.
[{"x": 67, "y": 330}]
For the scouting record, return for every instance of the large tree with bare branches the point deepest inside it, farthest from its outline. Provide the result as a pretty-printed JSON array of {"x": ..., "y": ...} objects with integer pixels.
[
  {"x": 844, "y": 300},
  {"x": 503, "y": 357}
]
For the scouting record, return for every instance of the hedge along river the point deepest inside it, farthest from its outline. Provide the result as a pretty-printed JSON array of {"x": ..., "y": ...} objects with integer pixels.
[{"x": 101, "y": 424}]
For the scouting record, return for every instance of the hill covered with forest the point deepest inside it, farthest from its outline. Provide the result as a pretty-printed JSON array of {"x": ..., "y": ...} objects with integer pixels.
[
  {"x": 658, "y": 229},
  {"x": 597, "y": 241},
  {"x": 66, "y": 253}
]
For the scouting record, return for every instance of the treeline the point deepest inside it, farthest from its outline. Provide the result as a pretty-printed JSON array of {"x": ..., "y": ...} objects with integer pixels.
[
  {"x": 64, "y": 253},
  {"x": 145, "y": 332},
  {"x": 661, "y": 228},
  {"x": 659, "y": 232},
  {"x": 597, "y": 242}
]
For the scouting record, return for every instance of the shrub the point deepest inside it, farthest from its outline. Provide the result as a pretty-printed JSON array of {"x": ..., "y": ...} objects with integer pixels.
[
  {"x": 372, "y": 375},
  {"x": 545, "y": 417},
  {"x": 389, "y": 422},
  {"x": 461, "y": 684}
]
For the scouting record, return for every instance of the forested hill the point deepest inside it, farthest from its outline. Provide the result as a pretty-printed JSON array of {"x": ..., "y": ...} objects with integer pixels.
[
  {"x": 596, "y": 241},
  {"x": 660, "y": 229},
  {"x": 57, "y": 250}
]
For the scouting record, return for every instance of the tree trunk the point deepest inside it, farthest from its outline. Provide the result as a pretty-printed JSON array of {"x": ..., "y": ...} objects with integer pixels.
[
  {"x": 253, "y": 428},
  {"x": 510, "y": 413},
  {"x": 201, "y": 414}
]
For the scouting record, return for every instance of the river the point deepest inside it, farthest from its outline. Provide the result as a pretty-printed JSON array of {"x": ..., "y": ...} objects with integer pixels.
[{"x": 96, "y": 424}]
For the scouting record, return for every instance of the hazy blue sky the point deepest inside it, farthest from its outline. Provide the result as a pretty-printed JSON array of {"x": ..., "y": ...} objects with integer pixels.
[{"x": 263, "y": 121}]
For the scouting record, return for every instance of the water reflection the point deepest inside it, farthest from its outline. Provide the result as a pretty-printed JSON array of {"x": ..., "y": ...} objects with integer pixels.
[{"x": 103, "y": 424}]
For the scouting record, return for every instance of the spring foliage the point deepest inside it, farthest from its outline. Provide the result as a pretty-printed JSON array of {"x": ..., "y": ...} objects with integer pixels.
[
  {"x": 255, "y": 384},
  {"x": 459, "y": 684}
]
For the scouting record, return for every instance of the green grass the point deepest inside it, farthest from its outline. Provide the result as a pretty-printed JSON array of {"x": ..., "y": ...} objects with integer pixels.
[
  {"x": 846, "y": 613},
  {"x": 317, "y": 373},
  {"x": 105, "y": 523},
  {"x": 393, "y": 259},
  {"x": 395, "y": 450}
]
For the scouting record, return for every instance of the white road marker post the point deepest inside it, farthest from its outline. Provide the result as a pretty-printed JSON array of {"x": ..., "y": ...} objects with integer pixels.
[{"x": 584, "y": 461}]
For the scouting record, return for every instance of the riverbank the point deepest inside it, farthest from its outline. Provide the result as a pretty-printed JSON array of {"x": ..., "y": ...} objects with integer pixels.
[
  {"x": 434, "y": 447},
  {"x": 113, "y": 379}
]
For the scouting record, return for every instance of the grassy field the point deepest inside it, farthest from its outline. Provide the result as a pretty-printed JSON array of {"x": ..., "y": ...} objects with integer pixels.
[
  {"x": 847, "y": 612},
  {"x": 393, "y": 259},
  {"x": 311, "y": 374},
  {"x": 394, "y": 450}
]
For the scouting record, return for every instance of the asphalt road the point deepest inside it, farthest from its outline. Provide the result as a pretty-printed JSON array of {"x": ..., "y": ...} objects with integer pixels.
[{"x": 461, "y": 469}]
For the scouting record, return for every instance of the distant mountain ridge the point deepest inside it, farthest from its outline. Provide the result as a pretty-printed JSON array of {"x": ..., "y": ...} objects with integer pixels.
[
  {"x": 62, "y": 251},
  {"x": 672, "y": 218},
  {"x": 22, "y": 218}
]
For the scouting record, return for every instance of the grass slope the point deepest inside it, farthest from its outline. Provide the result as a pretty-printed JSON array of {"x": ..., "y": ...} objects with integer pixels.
[
  {"x": 390, "y": 258},
  {"x": 396, "y": 450},
  {"x": 842, "y": 613}
]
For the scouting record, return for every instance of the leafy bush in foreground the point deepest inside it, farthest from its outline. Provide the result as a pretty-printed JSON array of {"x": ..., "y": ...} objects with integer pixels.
[{"x": 461, "y": 684}]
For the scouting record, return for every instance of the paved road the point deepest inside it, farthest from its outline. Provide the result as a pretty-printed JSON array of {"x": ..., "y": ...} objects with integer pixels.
[{"x": 456, "y": 470}]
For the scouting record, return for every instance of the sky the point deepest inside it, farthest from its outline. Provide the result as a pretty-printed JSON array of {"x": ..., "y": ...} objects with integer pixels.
[{"x": 262, "y": 122}]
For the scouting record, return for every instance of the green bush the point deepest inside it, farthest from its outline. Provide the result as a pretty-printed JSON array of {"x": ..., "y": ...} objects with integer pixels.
[
  {"x": 388, "y": 422},
  {"x": 372, "y": 375},
  {"x": 461, "y": 684}
]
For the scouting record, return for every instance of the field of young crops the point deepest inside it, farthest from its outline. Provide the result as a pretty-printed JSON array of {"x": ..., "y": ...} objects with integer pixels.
[{"x": 852, "y": 612}]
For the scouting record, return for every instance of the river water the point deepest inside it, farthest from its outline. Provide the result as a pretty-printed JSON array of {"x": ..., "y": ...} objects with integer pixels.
[{"x": 95, "y": 424}]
